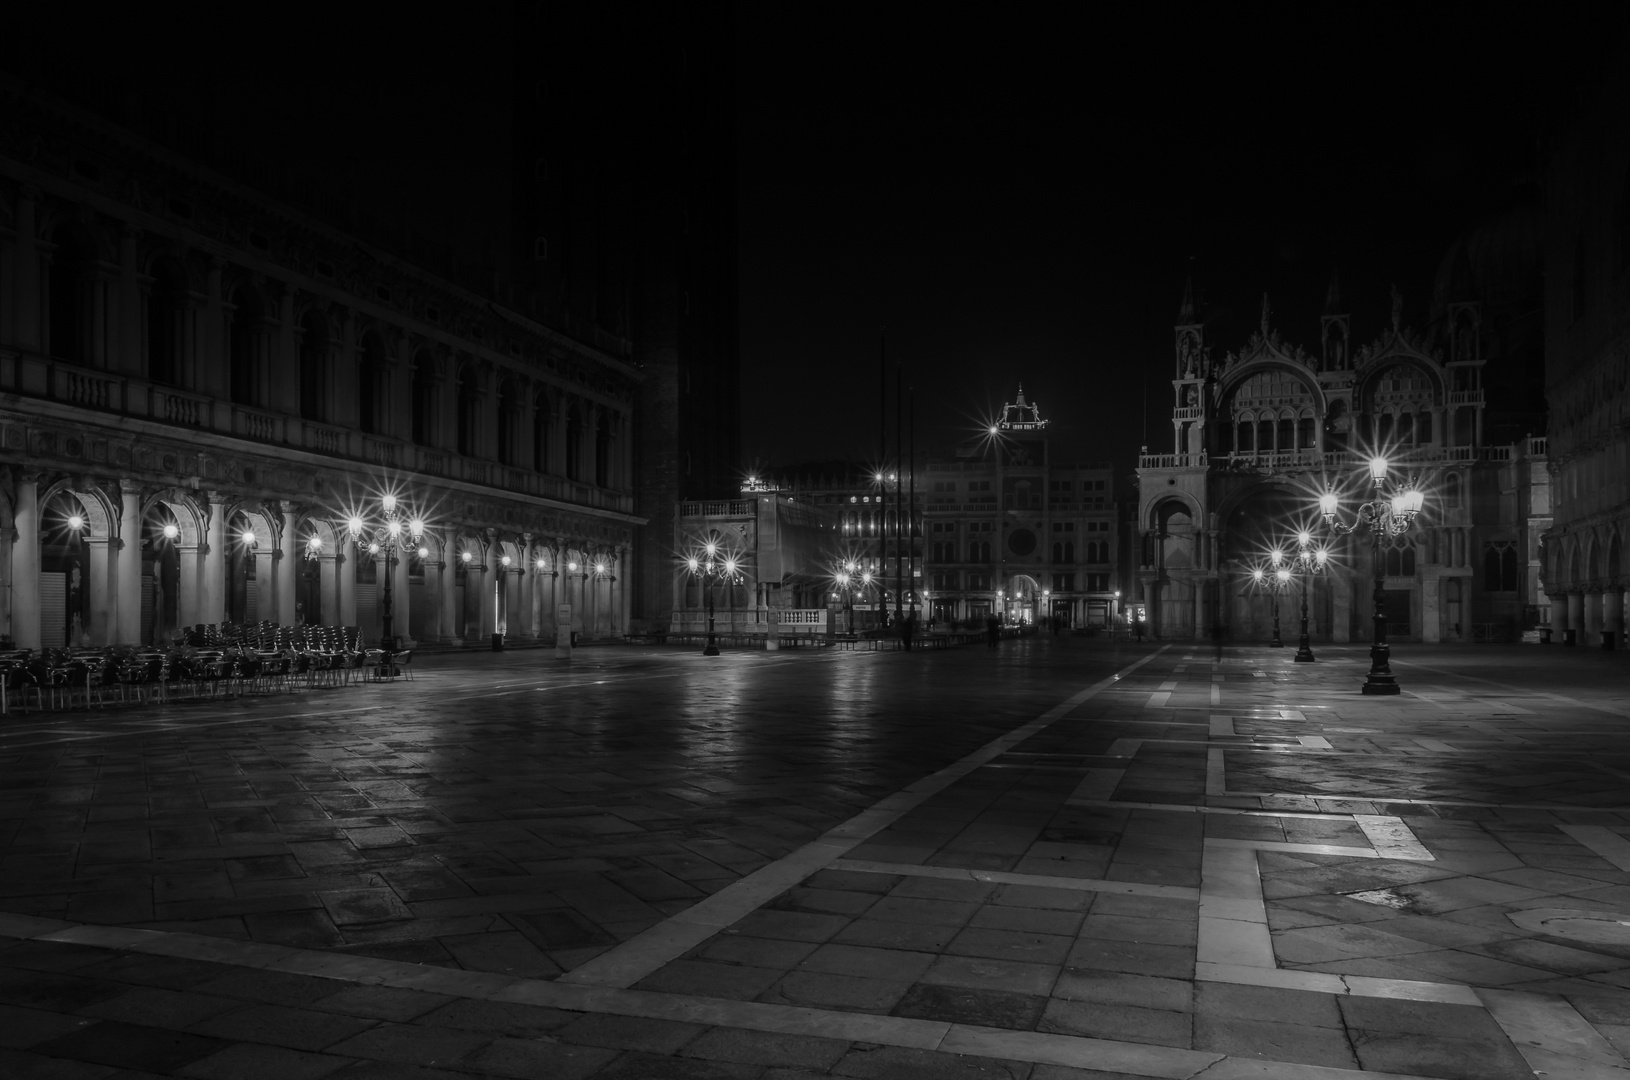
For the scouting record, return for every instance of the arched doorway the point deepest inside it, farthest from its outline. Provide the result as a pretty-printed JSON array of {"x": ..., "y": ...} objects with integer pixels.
[
  {"x": 1263, "y": 519},
  {"x": 1022, "y": 600}
]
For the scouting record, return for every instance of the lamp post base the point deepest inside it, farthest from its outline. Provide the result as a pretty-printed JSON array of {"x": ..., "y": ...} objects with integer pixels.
[
  {"x": 710, "y": 650},
  {"x": 1304, "y": 655},
  {"x": 1381, "y": 684}
]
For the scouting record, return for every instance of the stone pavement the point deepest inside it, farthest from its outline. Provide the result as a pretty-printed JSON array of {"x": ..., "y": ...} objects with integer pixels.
[{"x": 1068, "y": 860}]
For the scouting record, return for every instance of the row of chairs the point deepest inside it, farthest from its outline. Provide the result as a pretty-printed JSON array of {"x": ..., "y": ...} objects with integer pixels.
[{"x": 86, "y": 678}]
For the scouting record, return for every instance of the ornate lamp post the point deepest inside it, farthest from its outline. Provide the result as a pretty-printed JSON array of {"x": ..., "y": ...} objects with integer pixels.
[
  {"x": 396, "y": 532},
  {"x": 852, "y": 578},
  {"x": 1275, "y": 581},
  {"x": 714, "y": 564},
  {"x": 1309, "y": 561},
  {"x": 1391, "y": 512}
]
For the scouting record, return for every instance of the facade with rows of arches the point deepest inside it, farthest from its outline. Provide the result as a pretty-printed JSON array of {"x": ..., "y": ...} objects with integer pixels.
[
  {"x": 199, "y": 386},
  {"x": 1260, "y": 434}
]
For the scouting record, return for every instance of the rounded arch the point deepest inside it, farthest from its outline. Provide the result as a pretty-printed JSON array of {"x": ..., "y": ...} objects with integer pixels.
[
  {"x": 1159, "y": 510},
  {"x": 510, "y": 400},
  {"x": 543, "y": 429},
  {"x": 1593, "y": 558},
  {"x": 467, "y": 378},
  {"x": 371, "y": 372},
  {"x": 316, "y": 341},
  {"x": 1388, "y": 367},
  {"x": 425, "y": 375},
  {"x": 1240, "y": 382},
  {"x": 93, "y": 506},
  {"x": 1615, "y": 557}
]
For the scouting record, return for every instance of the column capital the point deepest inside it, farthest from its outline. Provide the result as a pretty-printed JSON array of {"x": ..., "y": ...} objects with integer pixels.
[{"x": 288, "y": 506}]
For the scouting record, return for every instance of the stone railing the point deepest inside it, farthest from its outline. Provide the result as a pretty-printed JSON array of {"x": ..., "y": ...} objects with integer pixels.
[{"x": 718, "y": 508}]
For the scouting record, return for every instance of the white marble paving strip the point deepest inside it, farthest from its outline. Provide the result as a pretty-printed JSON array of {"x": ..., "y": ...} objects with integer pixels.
[
  {"x": 1004, "y": 877},
  {"x": 1233, "y": 925},
  {"x": 1314, "y": 742},
  {"x": 1135, "y": 1059},
  {"x": 1221, "y": 726},
  {"x": 1295, "y": 849},
  {"x": 1158, "y": 700},
  {"x": 1169, "y": 684},
  {"x": 1437, "y": 746},
  {"x": 1553, "y": 1038},
  {"x": 1392, "y": 838},
  {"x": 644, "y": 953},
  {"x": 1124, "y": 748},
  {"x": 1216, "y": 783},
  {"x": 1603, "y": 841},
  {"x": 1216, "y": 694},
  {"x": 1292, "y": 714}
]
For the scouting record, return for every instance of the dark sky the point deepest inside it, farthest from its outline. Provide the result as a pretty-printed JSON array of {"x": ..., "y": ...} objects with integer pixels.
[
  {"x": 1014, "y": 197},
  {"x": 1018, "y": 198}
]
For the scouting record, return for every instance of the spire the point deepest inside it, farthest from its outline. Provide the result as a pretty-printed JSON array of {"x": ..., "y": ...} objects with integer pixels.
[
  {"x": 1267, "y": 312},
  {"x": 1332, "y": 295},
  {"x": 1185, "y": 314}
]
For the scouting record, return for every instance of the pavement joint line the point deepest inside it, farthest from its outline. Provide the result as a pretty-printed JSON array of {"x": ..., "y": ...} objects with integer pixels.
[
  {"x": 1005, "y": 877},
  {"x": 1603, "y": 841},
  {"x": 1137, "y": 1059},
  {"x": 641, "y": 955},
  {"x": 1552, "y": 1037}
]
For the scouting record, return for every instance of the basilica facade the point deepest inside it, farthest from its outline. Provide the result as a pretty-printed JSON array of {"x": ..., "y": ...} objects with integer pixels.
[
  {"x": 204, "y": 391},
  {"x": 1260, "y": 433}
]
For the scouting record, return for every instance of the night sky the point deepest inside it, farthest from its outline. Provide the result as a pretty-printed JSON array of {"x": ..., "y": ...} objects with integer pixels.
[
  {"x": 1013, "y": 199},
  {"x": 1019, "y": 199}
]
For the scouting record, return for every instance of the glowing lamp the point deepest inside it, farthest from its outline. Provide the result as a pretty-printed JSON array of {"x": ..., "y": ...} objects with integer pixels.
[
  {"x": 248, "y": 537},
  {"x": 394, "y": 528},
  {"x": 373, "y": 549},
  {"x": 1256, "y": 575},
  {"x": 465, "y": 556},
  {"x": 543, "y": 564},
  {"x": 1327, "y": 505},
  {"x": 1321, "y": 556},
  {"x": 76, "y": 523},
  {"x": 354, "y": 524},
  {"x": 1277, "y": 556},
  {"x": 171, "y": 531},
  {"x": 416, "y": 526},
  {"x": 572, "y": 567},
  {"x": 424, "y": 553},
  {"x": 1378, "y": 469},
  {"x": 504, "y": 560},
  {"x": 693, "y": 564},
  {"x": 389, "y": 503},
  {"x": 1304, "y": 538},
  {"x": 1282, "y": 574}
]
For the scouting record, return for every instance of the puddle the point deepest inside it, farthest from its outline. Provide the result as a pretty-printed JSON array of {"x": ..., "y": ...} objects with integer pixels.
[
  {"x": 1597, "y": 927},
  {"x": 1391, "y": 898}
]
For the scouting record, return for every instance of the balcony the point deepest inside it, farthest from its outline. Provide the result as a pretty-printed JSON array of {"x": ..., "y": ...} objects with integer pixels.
[
  {"x": 122, "y": 395},
  {"x": 718, "y": 508}
]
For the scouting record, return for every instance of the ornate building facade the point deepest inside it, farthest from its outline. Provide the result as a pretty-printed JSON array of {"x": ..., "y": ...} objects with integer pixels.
[
  {"x": 199, "y": 385},
  {"x": 1587, "y": 362},
  {"x": 1260, "y": 433}
]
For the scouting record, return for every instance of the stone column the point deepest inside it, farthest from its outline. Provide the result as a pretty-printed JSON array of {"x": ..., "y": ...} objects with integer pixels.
[
  {"x": 432, "y": 599},
  {"x": 451, "y": 616},
  {"x": 528, "y": 627},
  {"x": 328, "y": 588},
  {"x": 127, "y": 626},
  {"x": 478, "y": 576},
  {"x": 266, "y": 560},
  {"x": 402, "y": 600},
  {"x": 287, "y": 567},
  {"x": 189, "y": 601},
  {"x": 1613, "y": 614},
  {"x": 345, "y": 584},
  {"x": 99, "y": 581},
  {"x": 213, "y": 574},
  {"x": 25, "y": 560},
  {"x": 1575, "y": 632},
  {"x": 1593, "y": 618}
]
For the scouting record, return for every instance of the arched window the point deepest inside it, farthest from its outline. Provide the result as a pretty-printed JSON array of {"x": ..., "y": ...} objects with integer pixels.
[
  {"x": 1058, "y": 551},
  {"x": 1383, "y": 429},
  {"x": 66, "y": 298},
  {"x": 466, "y": 411},
  {"x": 1287, "y": 433},
  {"x": 1423, "y": 428},
  {"x": 248, "y": 324},
  {"x": 1244, "y": 443},
  {"x": 1451, "y": 490},
  {"x": 542, "y": 431},
  {"x": 574, "y": 444},
  {"x": 509, "y": 409},
  {"x": 424, "y": 399},
  {"x": 602, "y": 453},
  {"x": 1264, "y": 436},
  {"x": 370, "y": 372},
  {"x": 1304, "y": 433},
  {"x": 313, "y": 344},
  {"x": 1069, "y": 551},
  {"x": 165, "y": 308}
]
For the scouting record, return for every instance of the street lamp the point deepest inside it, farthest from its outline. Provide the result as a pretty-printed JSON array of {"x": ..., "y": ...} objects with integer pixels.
[
  {"x": 852, "y": 578},
  {"x": 396, "y": 531},
  {"x": 1309, "y": 561},
  {"x": 1391, "y": 512},
  {"x": 1274, "y": 580},
  {"x": 714, "y": 564}
]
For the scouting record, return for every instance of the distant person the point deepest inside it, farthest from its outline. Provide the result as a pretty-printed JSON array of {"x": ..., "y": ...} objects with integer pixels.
[
  {"x": 907, "y": 627},
  {"x": 1217, "y": 633},
  {"x": 993, "y": 631},
  {"x": 1137, "y": 623}
]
